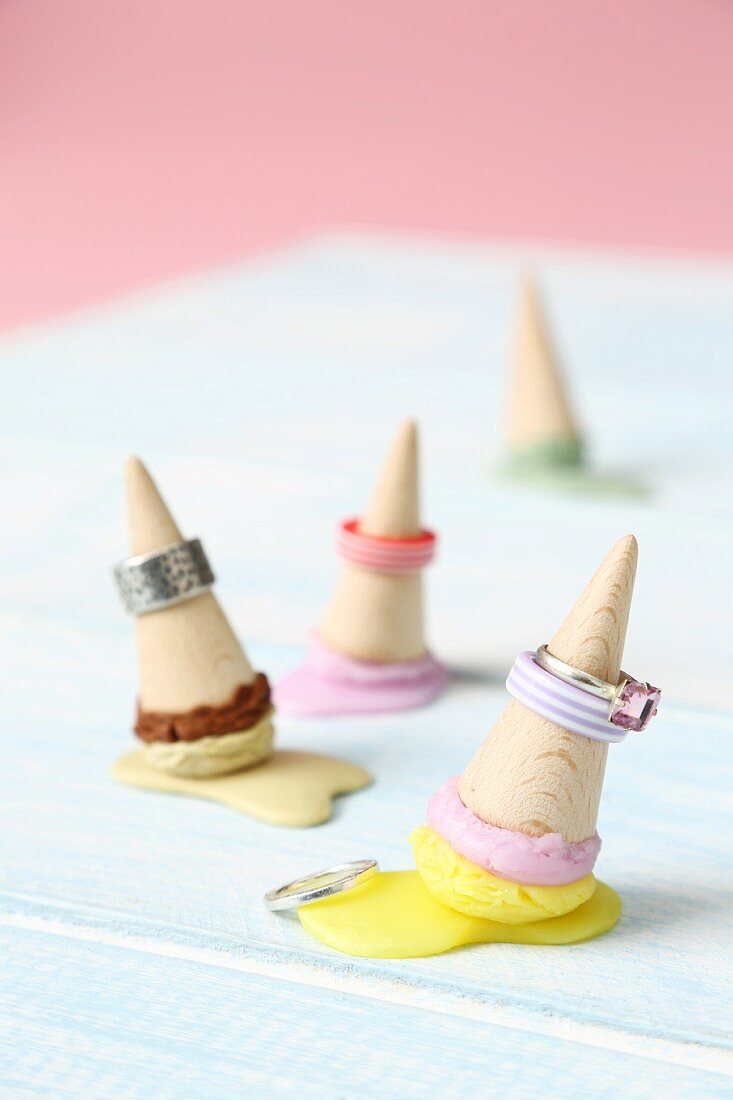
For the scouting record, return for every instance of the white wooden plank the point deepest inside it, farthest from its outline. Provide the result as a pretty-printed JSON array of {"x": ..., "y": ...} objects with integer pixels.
[
  {"x": 93, "y": 1020},
  {"x": 174, "y": 870},
  {"x": 262, "y": 397}
]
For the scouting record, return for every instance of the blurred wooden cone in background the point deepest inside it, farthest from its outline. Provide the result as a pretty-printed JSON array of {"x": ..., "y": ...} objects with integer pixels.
[
  {"x": 379, "y": 616},
  {"x": 541, "y": 430},
  {"x": 369, "y": 654}
]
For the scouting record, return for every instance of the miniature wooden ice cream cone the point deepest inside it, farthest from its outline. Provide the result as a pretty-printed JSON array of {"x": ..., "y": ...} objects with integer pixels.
[
  {"x": 204, "y": 716},
  {"x": 377, "y": 616},
  {"x": 541, "y": 430},
  {"x": 509, "y": 847},
  {"x": 202, "y": 710},
  {"x": 525, "y": 808},
  {"x": 531, "y": 775},
  {"x": 369, "y": 652}
]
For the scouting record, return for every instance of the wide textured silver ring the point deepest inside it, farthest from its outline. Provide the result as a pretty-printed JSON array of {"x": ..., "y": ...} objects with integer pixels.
[
  {"x": 575, "y": 676},
  {"x": 321, "y": 884},
  {"x": 150, "y": 582}
]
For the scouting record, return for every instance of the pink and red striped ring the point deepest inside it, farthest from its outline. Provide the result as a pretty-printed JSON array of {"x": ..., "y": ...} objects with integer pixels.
[{"x": 382, "y": 554}]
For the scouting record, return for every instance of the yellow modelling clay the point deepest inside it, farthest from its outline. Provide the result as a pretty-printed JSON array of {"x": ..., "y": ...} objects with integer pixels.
[
  {"x": 290, "y": 788},
  {"x": 456, "y": 882},
  {"x": 394, "y": 916}
]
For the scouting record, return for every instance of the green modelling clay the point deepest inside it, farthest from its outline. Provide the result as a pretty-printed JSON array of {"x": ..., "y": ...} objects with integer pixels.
[
  {"x": 564, "y": 452},
  {"x": 559, "y": 463}
]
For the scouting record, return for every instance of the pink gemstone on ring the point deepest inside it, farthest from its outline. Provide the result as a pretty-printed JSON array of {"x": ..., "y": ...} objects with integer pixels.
[{"x": 635, "y": 706}]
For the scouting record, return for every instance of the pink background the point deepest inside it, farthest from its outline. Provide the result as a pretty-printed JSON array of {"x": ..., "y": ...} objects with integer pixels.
[{"x": 141, "y": 138}]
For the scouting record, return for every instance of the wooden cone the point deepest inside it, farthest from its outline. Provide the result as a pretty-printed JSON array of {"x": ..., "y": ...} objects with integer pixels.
[
  {"x": 379, "y": 616},
  {"x": 532, "y": 776},
  {"x": 394, "y": 507},
  {"x": 538, "y": 408},
  {"x": 188, "y": 654}
]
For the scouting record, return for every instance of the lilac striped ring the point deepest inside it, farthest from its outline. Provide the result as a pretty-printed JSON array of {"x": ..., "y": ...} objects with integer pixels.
[
  {"x": 380, "y": 554},
  {"x": 567, "y": 706}
]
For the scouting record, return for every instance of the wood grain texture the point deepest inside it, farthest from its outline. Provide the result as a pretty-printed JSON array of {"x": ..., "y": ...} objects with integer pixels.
[
  {"x": 94, "y": 856},
  {"x": 234, "y": 384},
  {"x": 531, "y": 775},
  {"x": 378, "y": 616},
  {"x": 124, "y": 1022}
]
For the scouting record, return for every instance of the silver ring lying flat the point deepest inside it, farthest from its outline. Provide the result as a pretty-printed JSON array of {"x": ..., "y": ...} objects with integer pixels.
[
  {"x": 321, "y": 884},
  {"x": 149, "y": 582},
  {"x": 575, "y": 676}
]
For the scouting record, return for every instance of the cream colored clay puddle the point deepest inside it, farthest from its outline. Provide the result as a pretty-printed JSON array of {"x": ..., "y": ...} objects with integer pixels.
[{"x": 290, "y": 788}]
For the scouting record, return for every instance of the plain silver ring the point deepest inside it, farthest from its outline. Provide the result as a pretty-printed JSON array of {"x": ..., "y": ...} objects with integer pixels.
[
  {"x": 322, "y": 884},
  {"x": 575, "y": 676}
]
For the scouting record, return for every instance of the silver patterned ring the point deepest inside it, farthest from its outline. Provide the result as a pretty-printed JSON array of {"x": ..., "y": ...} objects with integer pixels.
[
  {"x": 321, "y": 884},
  {"x": 150, "y": 582}
]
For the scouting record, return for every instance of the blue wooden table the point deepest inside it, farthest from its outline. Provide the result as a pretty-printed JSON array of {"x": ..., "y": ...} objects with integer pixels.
[{"x": 138, "y": 958}]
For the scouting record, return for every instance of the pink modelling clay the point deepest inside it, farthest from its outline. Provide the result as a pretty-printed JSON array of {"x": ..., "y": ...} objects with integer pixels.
[
  {"x": 332, "y": 683},
  {"x": 539, "y": 861}
]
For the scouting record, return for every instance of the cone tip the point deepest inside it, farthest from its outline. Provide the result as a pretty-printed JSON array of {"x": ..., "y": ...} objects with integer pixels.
[
  {"x": 394, "y": 507},
  {"x": 627, "y": 545},
  {"x": 408, "y": 429},
  {"x": 405, "y": 446},
  {"x": 134, "y": 466},
  {"x": 529, "y": 286}
]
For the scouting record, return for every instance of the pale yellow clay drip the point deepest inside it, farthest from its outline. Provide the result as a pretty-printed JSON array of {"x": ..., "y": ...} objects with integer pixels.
[
  {"x": 394, "y": 916},
  {"x": 532, "y": 776},
  {"x": 379, "y": 616},
  {"x": 456, "y": 882},
  {"x": 291, "y": 788},
  {"x": 539, "y": 409},
  {"x": 211, "y": 756}
]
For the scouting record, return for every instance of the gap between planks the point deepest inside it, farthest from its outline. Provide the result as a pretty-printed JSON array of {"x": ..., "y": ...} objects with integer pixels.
[{"x": 105, "y": 927}]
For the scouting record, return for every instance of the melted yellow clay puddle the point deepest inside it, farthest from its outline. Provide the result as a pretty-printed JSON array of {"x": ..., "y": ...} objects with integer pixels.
[
  {"x": 394, "y": 916},
  {"x": 450, "y": 902},
  {"x": 290, "y": 788}
]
